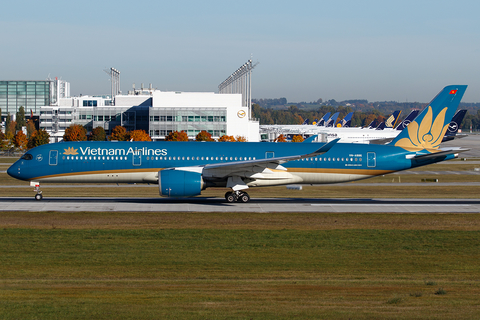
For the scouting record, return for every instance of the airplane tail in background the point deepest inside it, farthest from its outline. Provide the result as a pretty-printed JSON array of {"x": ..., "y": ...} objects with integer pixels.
[
  {"x": 391, "y": 121},
  {"x": 381, "y": 126},
  {"x": 411, "y": 116},
  {"x": 372, "y": 124},
  {"x": 346, "y": 122},
  {"x": 429, "y": 127},
  {"x": 454, "y": 125},
  {"x": 332, "y": 120},
  {"x": 324, "y": 119}
]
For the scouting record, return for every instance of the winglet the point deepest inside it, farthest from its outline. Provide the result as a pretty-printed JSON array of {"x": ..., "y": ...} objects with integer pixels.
[
  {"x": 325, "y": 148},
  {"x": 310, "y": 139}
]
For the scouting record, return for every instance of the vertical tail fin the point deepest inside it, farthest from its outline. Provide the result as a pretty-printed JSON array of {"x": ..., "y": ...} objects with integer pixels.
[
  {"x": 391, "y": 121},
  {"x": 333, "y": 119},
  {"x": 429, "y": 127},
  {"x": 346, "y": 121},
  {"x": 456, "y": 122},
  {"x": 411, "y": 116},
  {"x": 324, "y": 119}
]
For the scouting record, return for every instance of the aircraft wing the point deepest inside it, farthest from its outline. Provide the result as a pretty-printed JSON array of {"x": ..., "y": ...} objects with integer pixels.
[
  {"x": 250, "y": 169},
  {"x": 269, "y": 162}
]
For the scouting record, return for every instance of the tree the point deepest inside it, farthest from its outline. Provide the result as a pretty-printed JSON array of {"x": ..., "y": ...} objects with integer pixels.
[
  {"x": 38, "y": 138},
  {"x": 138, "y": 135},
  {"x": 20, "y": 118},
  {"x": 226, "y": 138},
  {"x": 281, "y": 138},
  {"x": 7, "y": 122},
  {"x": 10, "y": 126},
  {"x": 297, "y": 138},
  {"x": 20, "y": 140},
  {"x": 240, "y": 139},
  {"x": 97, "y": 134},
  {"x": 119, "y": 133},
  {"x": 30, "y": 128},
  {"x": 177, "y": 136},
  {"x": 75, "y": 132},
  {"x": 3, "y": 141},
  {"x": 203, "y": 136}
]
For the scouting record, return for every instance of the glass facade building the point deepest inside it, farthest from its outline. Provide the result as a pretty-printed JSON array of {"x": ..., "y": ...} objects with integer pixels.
[
  {"x": 191, "y": 120},
  {"x": 28, "y": 94}
]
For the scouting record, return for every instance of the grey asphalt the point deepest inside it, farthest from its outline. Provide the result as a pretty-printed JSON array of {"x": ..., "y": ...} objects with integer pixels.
[{"x": 255, "y": 205}]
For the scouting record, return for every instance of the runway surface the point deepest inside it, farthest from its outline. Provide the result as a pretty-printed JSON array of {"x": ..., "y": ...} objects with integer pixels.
[{"x": 255, "y": 205}]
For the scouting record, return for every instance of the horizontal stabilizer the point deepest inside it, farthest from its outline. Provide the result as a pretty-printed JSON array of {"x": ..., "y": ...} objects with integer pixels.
[{"x": 441, "y": 153}]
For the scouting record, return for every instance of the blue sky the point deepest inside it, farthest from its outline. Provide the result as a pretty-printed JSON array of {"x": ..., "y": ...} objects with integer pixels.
[{"x": 345, "y": 49}]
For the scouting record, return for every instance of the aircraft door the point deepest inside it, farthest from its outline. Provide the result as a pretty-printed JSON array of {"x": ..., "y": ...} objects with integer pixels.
[
  {"x": 371, "y": 159},
  {"x": 137, "y": 159},
  {"x": 53, "y": 158}
]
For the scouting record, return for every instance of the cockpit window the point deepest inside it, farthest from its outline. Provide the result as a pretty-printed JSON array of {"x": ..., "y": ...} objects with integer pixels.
[{"x": 27, "y": 156}]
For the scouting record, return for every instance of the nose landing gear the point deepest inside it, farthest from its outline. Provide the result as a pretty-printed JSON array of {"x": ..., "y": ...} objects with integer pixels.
[
  {"x": 39, "y": 195},
  {"x": 237, "y": 196}
]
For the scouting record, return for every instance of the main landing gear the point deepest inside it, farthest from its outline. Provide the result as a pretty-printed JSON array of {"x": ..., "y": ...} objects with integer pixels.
[{"x": 234, "y": 196}]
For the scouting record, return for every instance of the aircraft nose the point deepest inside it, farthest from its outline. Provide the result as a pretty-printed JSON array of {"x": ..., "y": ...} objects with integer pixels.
[{"x": 13, "y": 171}]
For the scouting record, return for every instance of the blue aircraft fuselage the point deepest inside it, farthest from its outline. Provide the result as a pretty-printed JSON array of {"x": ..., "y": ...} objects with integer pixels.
[{"x": 141, "y": 161}]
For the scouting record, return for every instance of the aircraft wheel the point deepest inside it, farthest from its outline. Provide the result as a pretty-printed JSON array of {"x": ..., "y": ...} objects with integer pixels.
[
  {"x": 38, "y": 197},
  {"x": 230, "y": 197},
  {"x": 244, "y": 198}
]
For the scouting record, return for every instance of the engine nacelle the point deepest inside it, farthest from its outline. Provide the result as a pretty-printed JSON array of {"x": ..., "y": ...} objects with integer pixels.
[{"x": 178, "y": 183}]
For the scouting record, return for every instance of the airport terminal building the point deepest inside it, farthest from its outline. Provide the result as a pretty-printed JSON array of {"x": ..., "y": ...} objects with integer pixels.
[{"x": 156, "y": 112}]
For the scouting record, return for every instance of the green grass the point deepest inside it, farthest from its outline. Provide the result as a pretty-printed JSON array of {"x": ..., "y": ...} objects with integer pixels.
[
  {"x": 60, "y": 265},
  {"x": 230, "y": 274}
]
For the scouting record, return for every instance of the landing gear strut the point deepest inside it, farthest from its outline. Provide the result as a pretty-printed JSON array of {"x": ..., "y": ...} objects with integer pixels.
[
  {"x": 39, "y": 195},
  {"x": 234, "y": 196}
]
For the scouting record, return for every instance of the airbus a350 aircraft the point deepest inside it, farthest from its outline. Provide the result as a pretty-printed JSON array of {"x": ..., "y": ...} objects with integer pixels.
[{"x": 184, "y": 169}]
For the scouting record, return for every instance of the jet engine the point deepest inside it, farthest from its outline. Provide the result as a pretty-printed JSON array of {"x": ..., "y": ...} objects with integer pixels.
[{"x": 178, "y": 183}]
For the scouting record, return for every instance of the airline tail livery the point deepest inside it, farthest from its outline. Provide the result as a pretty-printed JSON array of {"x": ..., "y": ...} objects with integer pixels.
[{"x": 184, "y": 169}]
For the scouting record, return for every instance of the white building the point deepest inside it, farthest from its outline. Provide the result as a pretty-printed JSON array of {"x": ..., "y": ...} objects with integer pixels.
[{"x": 156, "y": 112}]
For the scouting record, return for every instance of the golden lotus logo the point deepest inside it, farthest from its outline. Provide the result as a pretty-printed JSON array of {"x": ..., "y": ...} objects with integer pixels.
[
  {"x": 428, "y": 135},
  {"x": 70, "y": 151}
]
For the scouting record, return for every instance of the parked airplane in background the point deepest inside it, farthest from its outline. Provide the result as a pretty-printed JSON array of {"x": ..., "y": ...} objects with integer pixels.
[
  {"x": 184, "y": 169},
  {"x": 345, "y": 122},
  {"x": 412, "y": 115},
  {"x": 346, "y": 134},
  {"x": 324, "y": 118},
  {"x": 455, "y": 126},
  {"x": 389, "y": 134},
  {"x": 333, "y": 119}
]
